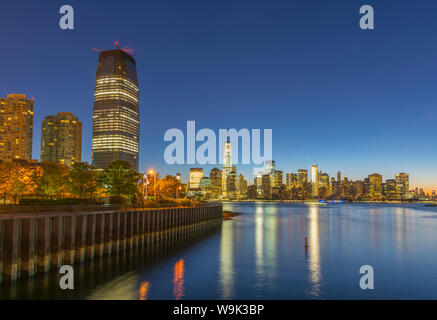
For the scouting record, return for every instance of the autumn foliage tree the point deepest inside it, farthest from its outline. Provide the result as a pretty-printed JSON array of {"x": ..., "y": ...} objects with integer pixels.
[
  {"x": 16, "y": 179},
  {"x": 168, "y": 187},
  {"x": 51, "y": 179}
]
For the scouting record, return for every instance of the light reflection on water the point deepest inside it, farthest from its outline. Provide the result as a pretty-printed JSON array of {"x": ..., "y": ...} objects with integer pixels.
[
  {"x": 261, "y": 255},
  {"x": 314, "y": 267}
]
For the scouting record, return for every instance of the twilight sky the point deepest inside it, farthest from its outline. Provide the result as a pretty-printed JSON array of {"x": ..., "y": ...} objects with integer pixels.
[{"x": 347, "y": 99}]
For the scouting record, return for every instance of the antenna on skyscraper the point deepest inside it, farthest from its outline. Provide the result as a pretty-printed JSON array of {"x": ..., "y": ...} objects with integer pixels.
[{"x": 116, "y": 44}]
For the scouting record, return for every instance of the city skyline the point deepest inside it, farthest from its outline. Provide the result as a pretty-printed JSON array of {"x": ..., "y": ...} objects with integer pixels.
[{"x": 350, "y": 126}]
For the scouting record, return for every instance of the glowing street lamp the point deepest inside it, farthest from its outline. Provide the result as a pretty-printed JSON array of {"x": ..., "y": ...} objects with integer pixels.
[
  {"x": 152, "y": 172},
  {"x": 177, "y": 191}
]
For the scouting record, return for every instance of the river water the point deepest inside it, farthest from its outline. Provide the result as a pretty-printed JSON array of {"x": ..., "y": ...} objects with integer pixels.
[{"x": 261, "y": 254}]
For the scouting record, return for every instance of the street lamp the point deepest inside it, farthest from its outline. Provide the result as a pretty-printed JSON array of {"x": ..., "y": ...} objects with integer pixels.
[
  {"x": 177, "y": 191},
  {"x": 151, "y": 172},
  {"x": 145, "y": 182}
]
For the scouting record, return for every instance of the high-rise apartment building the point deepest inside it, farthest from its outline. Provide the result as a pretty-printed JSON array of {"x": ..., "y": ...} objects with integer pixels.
[
  {"x": 116, "y": 118},
  {"x": 61, "y": 139},
  {"x": 16, "y": 127}
]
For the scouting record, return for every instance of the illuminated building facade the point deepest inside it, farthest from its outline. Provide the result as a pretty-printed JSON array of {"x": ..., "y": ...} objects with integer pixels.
[
  {"x": 258, "y": 184},
  {"x": 16, "y": 127},
  {"x": 266, "y": 186},
  {"x": 375, "y": 187},
  {"x": 324, "y": 185},
  {"x": 205, "y": 187},
  {"x": 291, "y": 180},
  {"x": 403, "y": 185},
  {"x": 389, "y": 189},
  {"x": 242, "y": 186},
  {"x": 216, "y": 182},
  {"x": 269, "y": 166},
  {"x": 196, "y": 174},
  {"x": 227, "y": 167},
  {"x": 61, "y": 139},
  {"x": 302, "y": 177},
  {"x": 116, "y": 118},
  {"x": 315, "y": 180},
  {"x": 231, "y": 184},
  {"x": 278, "y": 178}
]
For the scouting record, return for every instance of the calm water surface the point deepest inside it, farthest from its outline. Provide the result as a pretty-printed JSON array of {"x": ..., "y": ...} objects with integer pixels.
[{"x": 261, "y": 255}]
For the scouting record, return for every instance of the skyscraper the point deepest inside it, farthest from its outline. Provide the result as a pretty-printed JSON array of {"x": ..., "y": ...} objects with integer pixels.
[
  {"x": 375, "y": 187},
  {"x": 227, "y": 166},
  {"x": 231, "y": 184},
  {"x": 315, "y": 180},
  {"x": 269, "y": 166},
  {"x": 277, "y": 178},
  {"x": 216, "y": 182},
  {"x": 116, "y": 118},
  {"x": 61, "y": 139},
  {"x": 196, "y": 174},
  {"x": 16, "y": 127},
  {"x": 302, "y": 177},
  {"x": 242, "y": 185},
  {"x": 291, "y": 180},
  {"x": 403, "y": 185}
]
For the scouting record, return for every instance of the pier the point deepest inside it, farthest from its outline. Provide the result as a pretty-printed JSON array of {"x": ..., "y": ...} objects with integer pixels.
[{"x": 32, "y": 243}]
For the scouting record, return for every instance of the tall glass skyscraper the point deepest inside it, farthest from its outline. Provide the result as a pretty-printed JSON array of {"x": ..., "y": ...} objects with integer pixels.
[{"x": 116, "y": 118}]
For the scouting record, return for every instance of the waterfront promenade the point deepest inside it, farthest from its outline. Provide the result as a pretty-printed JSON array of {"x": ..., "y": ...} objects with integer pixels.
[{"x": 33, "y": 242}]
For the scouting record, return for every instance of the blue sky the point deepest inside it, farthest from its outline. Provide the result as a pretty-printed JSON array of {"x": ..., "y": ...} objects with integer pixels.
[{"x": 347, "y": 99}]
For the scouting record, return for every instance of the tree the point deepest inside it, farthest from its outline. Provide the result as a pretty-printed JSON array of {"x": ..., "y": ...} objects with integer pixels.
[
  {"x": 168, "y": 187},
  {"x": 82, "y": 180},
  {"x": 119, "y": 179},
  {"x": 52, "y": 179},
  {"x": 16, "y": 179}
]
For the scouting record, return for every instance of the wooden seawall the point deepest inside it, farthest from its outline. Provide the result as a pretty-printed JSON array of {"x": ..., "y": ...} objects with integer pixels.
[{"x": 39, "y": 242}]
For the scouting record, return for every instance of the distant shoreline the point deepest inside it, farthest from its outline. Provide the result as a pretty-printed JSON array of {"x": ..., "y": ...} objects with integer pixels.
[{"x": 429, "y": 203}]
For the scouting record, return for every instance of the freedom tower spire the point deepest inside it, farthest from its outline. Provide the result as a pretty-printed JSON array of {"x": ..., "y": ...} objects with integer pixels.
[{"x": 116, "y": 118}]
